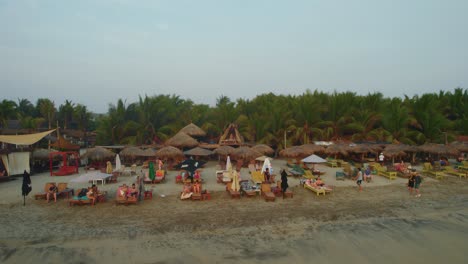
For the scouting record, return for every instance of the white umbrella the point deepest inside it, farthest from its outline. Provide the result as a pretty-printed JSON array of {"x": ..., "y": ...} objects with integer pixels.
[
  {"x": 228, "y": 164},
  {"x": 118, "y": 163},
  {"x": 267, "y": 164},
  {"x": 313, "y": 159}
]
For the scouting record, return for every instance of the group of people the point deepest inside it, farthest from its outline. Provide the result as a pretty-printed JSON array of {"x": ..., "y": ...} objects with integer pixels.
[
  {"x": 414, "y": 181},
  {"x": 129, "y": 192},
  {"x": 190, "y": 189}
]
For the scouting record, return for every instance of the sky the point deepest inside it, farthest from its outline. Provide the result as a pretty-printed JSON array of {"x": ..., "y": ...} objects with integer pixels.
[{"x": 94, "y": 52}]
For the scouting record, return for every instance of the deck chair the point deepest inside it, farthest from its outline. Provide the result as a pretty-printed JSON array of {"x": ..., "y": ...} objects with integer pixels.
[
  {"x": 428, "y": 169},
  {"x": 43, "y": 195},
  {"x": 267, "y": 193},
  {"x": 452, "y": 171},
  {"x": 316, "y": 190},
  {"x": 234, "y": 194},
  {"x": 75, "y": 200},
  {"x": 308, "y": 174},
  {"x": 64, "y": 190},
  {"x": 198, "y": 196},
  {"x": 257, "y": 177},
  {"x": 121, "y": 198},
  {"x": 160, "y": 176}
]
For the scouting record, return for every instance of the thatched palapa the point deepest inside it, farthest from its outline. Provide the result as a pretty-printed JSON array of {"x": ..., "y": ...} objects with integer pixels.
[
  {"x": 181, "y": 140},
  {"x": 264, "y": 149},
  {"x": 99, "y": 154},
  {"x": 193, "y": 130}
]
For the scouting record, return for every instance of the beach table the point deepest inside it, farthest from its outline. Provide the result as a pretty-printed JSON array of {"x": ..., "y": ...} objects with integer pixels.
[{"x": 94, "y": 177}]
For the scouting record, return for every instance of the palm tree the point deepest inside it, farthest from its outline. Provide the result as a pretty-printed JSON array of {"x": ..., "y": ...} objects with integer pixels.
[
  {"x": 47, "y": 110},
  {"x": 7, "y": 111},
  {"x": 66, "y": 113}
]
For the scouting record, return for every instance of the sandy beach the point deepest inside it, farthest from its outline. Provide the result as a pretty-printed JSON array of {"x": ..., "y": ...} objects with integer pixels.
[{"x": 381, "y": 224}]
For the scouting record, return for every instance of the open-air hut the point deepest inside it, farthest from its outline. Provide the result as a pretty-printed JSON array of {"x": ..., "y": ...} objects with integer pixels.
[
  {"x": 193, "y": 130},
  {"x": 231, "y": 136},
  {"x": 182, "y": 140}
]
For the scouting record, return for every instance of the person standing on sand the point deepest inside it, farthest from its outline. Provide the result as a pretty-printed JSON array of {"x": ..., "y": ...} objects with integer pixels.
[
  {"x": 284, "y": 182},
  {"x": 417, "y": 183},
  {"x": 411, "y": 181},
  {"x": 381, "y": 158},
  {"x": 359, "y": 179}
]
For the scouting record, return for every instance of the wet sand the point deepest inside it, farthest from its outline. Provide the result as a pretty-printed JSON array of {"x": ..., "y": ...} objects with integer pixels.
[{"x": 382, "y": 224}]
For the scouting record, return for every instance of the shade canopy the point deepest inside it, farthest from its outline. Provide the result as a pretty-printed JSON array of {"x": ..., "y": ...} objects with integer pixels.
[
  {"x": 264, "y": 149},
  {"x": 245, "y": 153},
  {"x": 193, "y": 130},
  {"x": 224, "y": 150},
  {"x": 313, "y": 159},
  {"x": 197, "y": 151},
  {"x": 182, "y": 140},
  {"x": 98, "y": 153},
  {"x": 169, "y": 152},
  {"x": 190, "y": 165}
]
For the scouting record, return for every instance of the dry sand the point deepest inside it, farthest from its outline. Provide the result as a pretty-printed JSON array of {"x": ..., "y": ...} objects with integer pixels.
[{"x": 381, "y": 224}]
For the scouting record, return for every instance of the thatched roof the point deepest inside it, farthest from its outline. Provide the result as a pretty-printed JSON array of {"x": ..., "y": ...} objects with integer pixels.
[
  {"x": 41, "y": 153},
  {"x": 131, "y": 152},
  {"x": 182, "y": 140},
  {"x": 439, "y": 149},
  {"x": 197, "y": 151},
  {"x": 98, "y": 153},
  {"x": 264, "y": 149},
  {"x": 310, "y": 149},
  {"x": 224, "y": 150},
  {"x": 245, "y": 153},
  {"x": 293, "y": 152},
  {"x": 193, "y": 130},
  {"x": 335, "y": 149},
  {"x": 169, "y": 152}
]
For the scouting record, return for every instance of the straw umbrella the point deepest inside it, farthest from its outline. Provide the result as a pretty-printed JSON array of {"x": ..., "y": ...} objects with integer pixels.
[
  {"x": 149, "y": 152},
  {"x": 197, "y": 151},
  {"x": 460, "y": 146},
  {"x": 396, "y": 150},
  {"x": 98, "y": 154},
  {"x": 131, "y": 152},
  {"x": 169, "y": 152},
  {"x": 310, "y": 149},
  {"x": 293, "y": 152},
  {"x": 264, "y": 149},
  {"x": 245, "y": 153},
  {"x": 193, "y": 130},
  {"x": 362, "y": 149},
  {"x": 336, "y": 149},
  {"x": 224, "y": 150},
  {"x": 181, "y": 140},
  {"x": 439, "y": 149}
]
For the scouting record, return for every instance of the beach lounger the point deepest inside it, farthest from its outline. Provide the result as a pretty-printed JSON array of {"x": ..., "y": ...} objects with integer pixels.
[
  {"x": 429, "y": 170},
  {"x": 316, "y": 190},
  {"x": 452, "y": 171},
  {"x": 267, "y": 193},
  {"x": 64, "y": 190},
  {"x": 121, "y": 198},
  {"x": 340, "y": 175},
  {"x": 43, "y": 195},
  {"x": 232, "y": 193}
]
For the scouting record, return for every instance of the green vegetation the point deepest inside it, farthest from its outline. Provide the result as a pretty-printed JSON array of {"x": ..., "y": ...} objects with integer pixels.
[{"x": 264, "y": 119}]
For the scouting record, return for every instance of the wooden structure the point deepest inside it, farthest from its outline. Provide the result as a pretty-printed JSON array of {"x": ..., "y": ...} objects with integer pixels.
[
  {"x": 69, "y": 164},
  {"x": 231, "y": 137}
]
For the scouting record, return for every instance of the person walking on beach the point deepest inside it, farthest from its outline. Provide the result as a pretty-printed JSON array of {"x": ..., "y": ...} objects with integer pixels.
[
  {"x": 381, "y": 158},
  {"x": 284, "y": 182},
  {"x": 417, "y": 183},
  {"x": 359, "y": 179}
]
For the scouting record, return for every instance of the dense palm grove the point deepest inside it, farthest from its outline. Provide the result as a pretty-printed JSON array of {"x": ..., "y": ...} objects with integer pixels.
[{"x": 267, "y": 118}]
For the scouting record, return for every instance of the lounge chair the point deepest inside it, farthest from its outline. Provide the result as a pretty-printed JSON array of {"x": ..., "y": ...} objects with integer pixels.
[
  {"x": 233, "y": 193},
  {"x": 257, "y": 177},
  {"x": 317, "y": 190},
  {"x": 122, "y": 198},
  {"x": 308, "y": 174},
  {"x": 429, "y": 170},
  {"x": 160, "y": 176},
  {"x": 267, "y": 193},
  {"x": 64, "y": 190},
  {"x": 452, "y": 171},
  {"x": 332, "y": 163},
  {"x": 340, "y": 175},
  {"x": 43, "y": 195},
  {"x": 198, "y": 196}
]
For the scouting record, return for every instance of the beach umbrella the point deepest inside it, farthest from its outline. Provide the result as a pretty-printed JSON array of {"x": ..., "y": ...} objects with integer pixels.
[
  {"x": 224, "y": 150},
  {"x": 336, "y": 149},
  {"x": 293, "y": 152},
  {"x": 310, "y": 149},
  {"x": 190, "y": 165},
  {"x": 182, "y": 140},
  {"x": 439, "y": 149},
  {"x": 262, "y": 158},
  {"x": 460, "y": 146},
  {"x": 169, "y": 152},
  {"x": 151, "y": 172},
  {"x": 267, "y": 164},
  {"x": 149, "y": 152},
  {"x": 245, "y": 153},
  {"x": 264, "y": 149},
  {"x": 197, "y": 151},
  {"x": 26, "y": 186},
  {"x": 228, "y": 164},
  {"x": 313, "y": 159},
  {"x": 193, "y": 130},
  {"x": 118, "y": 163},
  {"x": 132, "y": 152},
  {"x": 98, "y": 153}
]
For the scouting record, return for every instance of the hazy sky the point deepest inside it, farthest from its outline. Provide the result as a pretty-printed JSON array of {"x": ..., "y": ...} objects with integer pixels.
[{"x": 97, "y": 51}]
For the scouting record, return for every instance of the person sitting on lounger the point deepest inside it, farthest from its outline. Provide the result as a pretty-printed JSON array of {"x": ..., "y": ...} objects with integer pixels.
[
  {"x": 133, "y": 191},
  {"x": 187, "y": 192},
  {"x": 196, "y": 187},
  {"x": 52, "y": 192},
  {"x": 197, "y": 176},
  {"x": 123, "y": 191},
  {"x": 91, "y": 195},
  {"x": 319, "y": 182}
]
